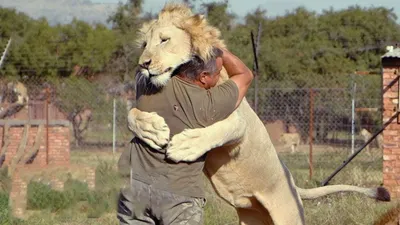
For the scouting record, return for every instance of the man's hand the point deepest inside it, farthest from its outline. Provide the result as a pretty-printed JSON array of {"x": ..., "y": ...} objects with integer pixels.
[{"x": 149, "y": 127}]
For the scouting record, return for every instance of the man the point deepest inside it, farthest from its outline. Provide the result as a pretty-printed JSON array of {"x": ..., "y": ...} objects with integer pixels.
[{"x": 161, "y": 191}]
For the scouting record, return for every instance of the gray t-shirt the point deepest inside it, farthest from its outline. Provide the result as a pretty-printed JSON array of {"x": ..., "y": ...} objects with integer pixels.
[{"x": 183, "y": 105}]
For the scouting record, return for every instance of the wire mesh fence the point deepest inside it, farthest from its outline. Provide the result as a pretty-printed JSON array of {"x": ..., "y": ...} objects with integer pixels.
[
  {"x": 98, "y": 110},
  {"x": 327, "y": 114},
  {"x": 332, "y": 121}
]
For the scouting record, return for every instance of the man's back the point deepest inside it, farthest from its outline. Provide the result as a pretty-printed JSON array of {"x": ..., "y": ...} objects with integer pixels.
[{"x": 182, "y": 105}]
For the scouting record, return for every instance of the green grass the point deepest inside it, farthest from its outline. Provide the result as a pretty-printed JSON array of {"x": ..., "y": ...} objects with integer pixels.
[
  {"x": 78, "y": 205},
  {"x": 342, "y": 208}
]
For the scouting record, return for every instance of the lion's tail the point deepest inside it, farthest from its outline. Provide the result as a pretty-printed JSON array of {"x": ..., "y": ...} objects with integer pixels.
[{"x": 379, "y": 193}]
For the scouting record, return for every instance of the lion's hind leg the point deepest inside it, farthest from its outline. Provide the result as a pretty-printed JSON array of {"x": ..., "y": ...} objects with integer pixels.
[
  {"x": 253, "y": 217},
  {"x": 283, "y": 207}
]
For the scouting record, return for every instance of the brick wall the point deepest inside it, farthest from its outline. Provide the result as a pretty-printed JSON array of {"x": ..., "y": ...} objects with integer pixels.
[
  {"x": 58, "y": 156},
  {"x": 59, "y": 144},
  {"x": 56, "y": 174},
  {"x": 391, "y": 135},
  {"x": 59, "y": 149}
]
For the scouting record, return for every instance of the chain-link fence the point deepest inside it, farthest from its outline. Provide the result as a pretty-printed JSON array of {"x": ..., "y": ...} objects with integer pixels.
[
  {"x": 333, "y": 119},
  {"x": 97, "y": 106},
  {"x": 97, "y": 112}
]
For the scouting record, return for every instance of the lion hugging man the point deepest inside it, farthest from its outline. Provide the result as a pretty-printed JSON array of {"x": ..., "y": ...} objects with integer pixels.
[
  {"x": 162, "y": 191},
  {"x": 241, "y": 162}
]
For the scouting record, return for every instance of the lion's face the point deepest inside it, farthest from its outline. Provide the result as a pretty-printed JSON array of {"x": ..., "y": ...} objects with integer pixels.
[
  {"x": 165, "y": 47},
  {"x": 172, "y": 40}
]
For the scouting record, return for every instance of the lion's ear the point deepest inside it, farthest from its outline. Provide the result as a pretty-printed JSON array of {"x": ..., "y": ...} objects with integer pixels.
[{"x": 197, "y": 20}]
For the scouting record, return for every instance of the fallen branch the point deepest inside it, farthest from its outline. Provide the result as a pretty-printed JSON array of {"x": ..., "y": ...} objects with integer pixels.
[
  {"x": 6, "y": 142},
  {"x": 20, "y": 151},
  {"x": 11, "y": 110},
  {"x": 31, "y": 154}
]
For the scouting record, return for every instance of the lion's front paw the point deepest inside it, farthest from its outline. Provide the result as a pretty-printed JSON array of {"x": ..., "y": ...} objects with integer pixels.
[
  {"x": 188, "y": 146},
  {"x": 150, "y": 128}
]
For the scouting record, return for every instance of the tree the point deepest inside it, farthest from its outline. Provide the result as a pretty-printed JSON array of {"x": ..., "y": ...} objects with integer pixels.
[
  {"x": 218, "y": 16},
  {"x": 125, "y": 23},
  {"x": 90, "y": 47}
]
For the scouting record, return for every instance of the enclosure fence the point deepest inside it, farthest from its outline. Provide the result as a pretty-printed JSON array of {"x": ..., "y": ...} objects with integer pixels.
[{"x": 328, "y": 114}]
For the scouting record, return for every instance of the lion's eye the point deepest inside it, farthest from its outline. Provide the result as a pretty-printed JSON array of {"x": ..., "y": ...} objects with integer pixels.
[
  {"x": 163, "y": 40},
  {"x": 144, "y": 45}
]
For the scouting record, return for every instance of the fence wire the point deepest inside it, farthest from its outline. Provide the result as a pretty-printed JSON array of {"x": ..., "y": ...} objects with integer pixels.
[
  {"x": 320, "y": 110},
  {"x": 322, "y": 114}
]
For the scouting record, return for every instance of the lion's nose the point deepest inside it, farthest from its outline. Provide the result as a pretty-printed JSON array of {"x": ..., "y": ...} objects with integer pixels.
[{"x": 146, "y": 64}]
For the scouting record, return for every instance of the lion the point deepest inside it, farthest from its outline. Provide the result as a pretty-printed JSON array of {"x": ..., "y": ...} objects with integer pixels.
[
  {"x": 366, "y": 135},
  {"x": 391, "y": 217},
  {"x": 242, "y": 164},
  {"x": 20, "y": 92},
  {"x": 290, "y": 139}
]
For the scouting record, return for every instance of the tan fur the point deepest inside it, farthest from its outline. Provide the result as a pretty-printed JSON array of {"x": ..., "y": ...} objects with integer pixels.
[
  {"x": 366, "y": 135},
  {"x": 391, "y": 217},
  {"x": 243, "y": 166},
  {"x": 16, "y": 92},
  {"x": 291, "y": 139}
]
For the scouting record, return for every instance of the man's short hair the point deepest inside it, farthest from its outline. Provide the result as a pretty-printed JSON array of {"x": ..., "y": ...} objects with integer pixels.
[{"x": 196, "y": 65}]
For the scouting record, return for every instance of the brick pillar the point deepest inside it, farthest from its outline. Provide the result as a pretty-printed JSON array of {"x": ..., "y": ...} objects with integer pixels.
[
  {"x": 18, "y": 196},
  {"x": 391, "y": 135},
  {"x": 91, "y": 178}
]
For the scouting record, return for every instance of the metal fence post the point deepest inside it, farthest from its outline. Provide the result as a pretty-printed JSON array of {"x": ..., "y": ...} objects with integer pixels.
[
  {"x": 311, "y": 131},
  {"x": 353, "y": 122},
  {"x": 114, "y": 121},
  {"x": 255, "y": 45}
]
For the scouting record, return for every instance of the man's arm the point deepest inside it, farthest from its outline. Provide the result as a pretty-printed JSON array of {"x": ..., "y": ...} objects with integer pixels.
[
  {"x": 223, "y": 99},
  {"x": 238, "y": 72},
  {"x": 220, "y": 106}
]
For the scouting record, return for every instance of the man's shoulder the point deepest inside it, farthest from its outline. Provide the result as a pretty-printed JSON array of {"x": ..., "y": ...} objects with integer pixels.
[
  {"x": 181, "y": 86},
  {"x": 179, "y": 81},
  {"x": 228, "y": 87}
]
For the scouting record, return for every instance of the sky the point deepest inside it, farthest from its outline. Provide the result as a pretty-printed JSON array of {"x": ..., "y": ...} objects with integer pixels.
[
  {"x": 278, "y": 7},
  {"x": 62, "y": 11}
]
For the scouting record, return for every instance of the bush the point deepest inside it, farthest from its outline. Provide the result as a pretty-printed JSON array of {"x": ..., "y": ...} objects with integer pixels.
[
  {"x": 77, "y": 190},
  {"x": 41, "y": 196},
  {"x": 3, "y": 205},
  {"x": 106, "y": 176},
  {"x": 101, "y": 202}
]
